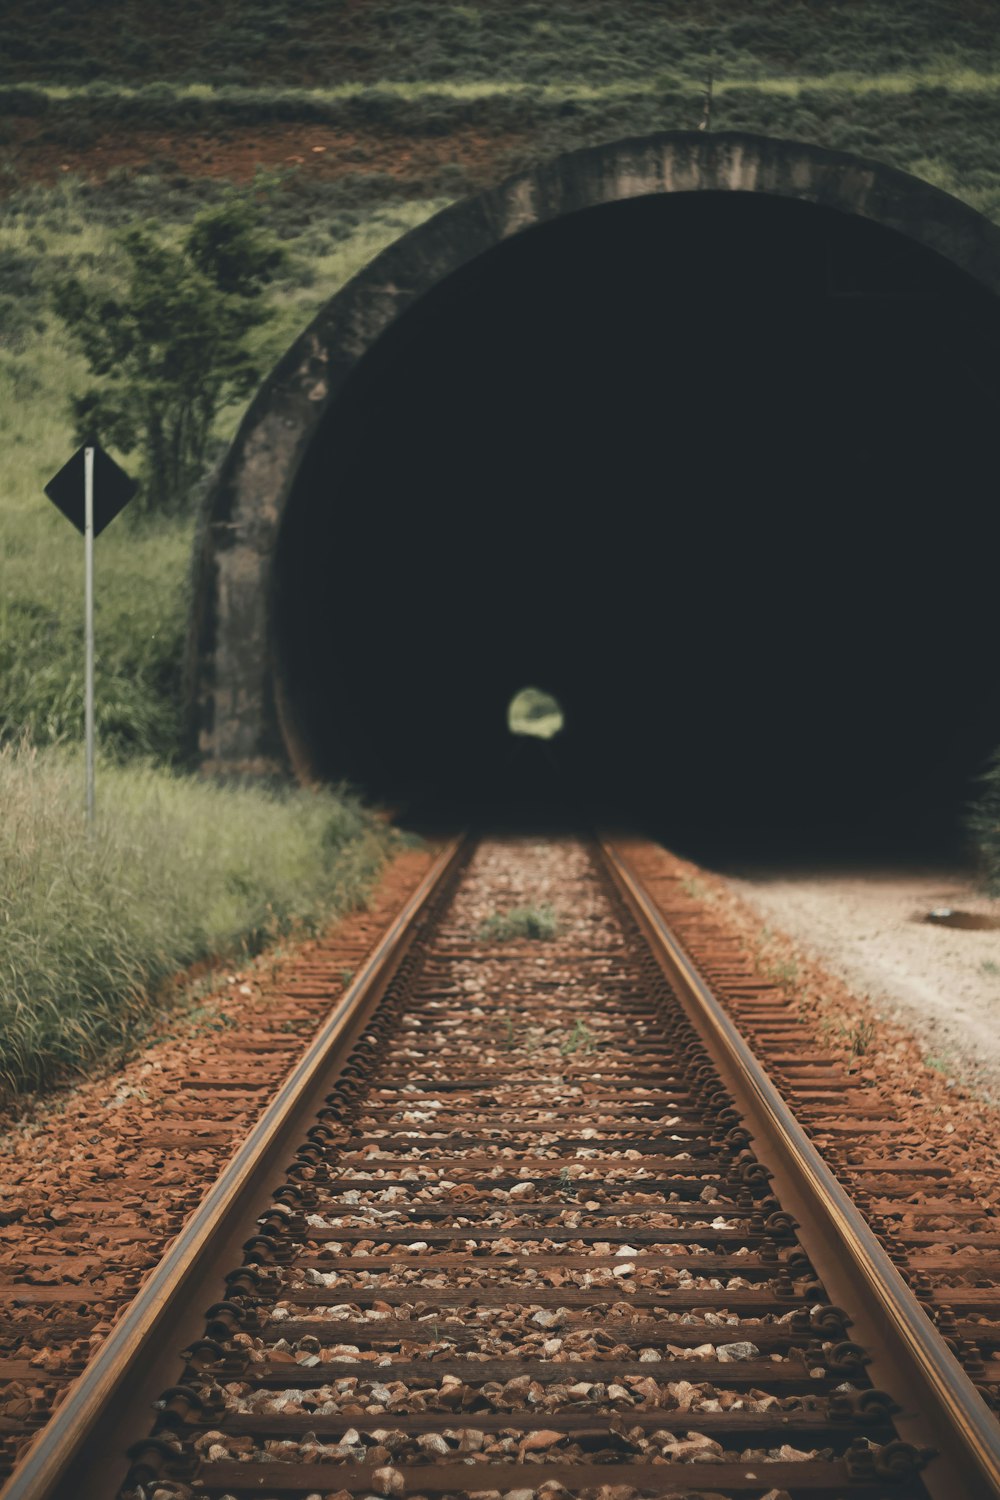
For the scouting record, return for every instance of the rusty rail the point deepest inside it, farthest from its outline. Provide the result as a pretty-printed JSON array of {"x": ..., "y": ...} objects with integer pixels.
[
  {"x": 75, "y": 1457},
  {"x": 941, "y": 1405},
  {"x": 397, "y": 1095}
]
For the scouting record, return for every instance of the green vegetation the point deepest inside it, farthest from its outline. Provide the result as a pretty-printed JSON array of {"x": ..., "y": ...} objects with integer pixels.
[
  {"x": 317, "y": 42},
  {"x": 858, "y": 1036},
  {"x": 937, "y": 120},
  {"x": 142, "y": 564},
  {"x": 784, "y": 971},
  {"x": 984, "y": 826},
  {"x": 173, "y": 350},
  {"x": 140, "y": 620},
  {"x": 89, "y": 929},
  {"x": 534, "y": 712},
  {"x": 536, "y": 922},
  {"x": 411, "y": 106},
  {"x": 580, "y": 1038},
  {"x": 92, "y": 925}
]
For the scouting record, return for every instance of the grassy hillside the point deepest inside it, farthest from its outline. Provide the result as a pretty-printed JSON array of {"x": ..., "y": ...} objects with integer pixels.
[
  {"x": 581, "y": 40},
  {"x": 350, "y": 122}
]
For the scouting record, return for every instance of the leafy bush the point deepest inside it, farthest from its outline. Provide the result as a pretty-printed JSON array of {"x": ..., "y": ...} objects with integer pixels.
[
  {"x": 176, "y": 870},
  {"x": 172, "y": 350}
]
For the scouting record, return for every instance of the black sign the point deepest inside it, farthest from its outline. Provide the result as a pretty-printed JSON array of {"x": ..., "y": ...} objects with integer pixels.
[{"x": 113, "y": 489}]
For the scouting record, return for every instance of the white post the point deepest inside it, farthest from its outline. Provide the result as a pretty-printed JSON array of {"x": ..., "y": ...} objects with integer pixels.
[{"x": 88, "y": 606}]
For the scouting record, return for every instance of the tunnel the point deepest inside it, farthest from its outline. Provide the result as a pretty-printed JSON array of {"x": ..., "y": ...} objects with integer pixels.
[{"x": 709, "y": 467}]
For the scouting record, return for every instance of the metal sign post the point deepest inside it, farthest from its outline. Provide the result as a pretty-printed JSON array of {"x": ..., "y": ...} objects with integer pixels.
[{"x": 90, "y": 490}]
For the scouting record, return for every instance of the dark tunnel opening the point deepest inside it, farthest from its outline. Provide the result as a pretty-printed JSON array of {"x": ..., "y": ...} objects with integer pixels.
[{"x": 712, "y": 468}]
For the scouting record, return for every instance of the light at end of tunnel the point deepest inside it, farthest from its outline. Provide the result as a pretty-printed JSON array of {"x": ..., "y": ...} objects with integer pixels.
[{"x": 532, "y": 711}]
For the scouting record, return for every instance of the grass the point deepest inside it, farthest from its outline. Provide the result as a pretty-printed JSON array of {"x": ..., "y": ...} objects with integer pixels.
[
  {"x": 580, "y": 1038},
  {"x": 316, "y": 42},
  {"x": 930, "y": 115},
  {"x": 176, "y": 870},
  {"x": 858, "y": 1036},
  {"x": 784, "y": 971},
  {"x": 917, "y": 87},
  {"x": 198, "y": 100},
  {"x": 141, "y": 570},
  {"x": 534, "y": 922},
  {"x": 90, "y": 928}
]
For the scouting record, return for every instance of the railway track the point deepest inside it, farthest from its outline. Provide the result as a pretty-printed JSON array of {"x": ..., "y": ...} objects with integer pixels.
[{"x": 530, "y": 1219}]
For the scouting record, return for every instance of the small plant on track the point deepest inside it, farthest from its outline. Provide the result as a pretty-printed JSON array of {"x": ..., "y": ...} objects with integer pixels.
[
  {"x": 859, "y": 1036},
  {"x": 535, "y": 922},
  {"x": 580, "y": 1037}
]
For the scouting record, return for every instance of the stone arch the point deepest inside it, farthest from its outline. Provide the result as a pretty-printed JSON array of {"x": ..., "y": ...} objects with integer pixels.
[{"x": 235, "y": 716}]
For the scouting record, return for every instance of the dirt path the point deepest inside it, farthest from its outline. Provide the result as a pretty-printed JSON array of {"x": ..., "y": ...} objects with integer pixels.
[{"x": 869, "y": 928}]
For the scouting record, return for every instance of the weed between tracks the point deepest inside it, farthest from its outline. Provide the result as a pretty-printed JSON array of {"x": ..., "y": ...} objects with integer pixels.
[
  {"x": 858, "y": 1036},
  {"x": 536, "y": 922},
  {"x": 90, "y": 926},
  {"x": 580, "y": 1039}
]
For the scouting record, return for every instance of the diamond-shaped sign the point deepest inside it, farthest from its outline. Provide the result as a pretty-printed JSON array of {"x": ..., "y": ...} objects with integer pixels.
[{"x": 113, "y": 489}]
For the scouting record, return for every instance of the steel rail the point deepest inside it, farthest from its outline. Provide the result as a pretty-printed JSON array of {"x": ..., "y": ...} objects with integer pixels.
[
  {"x": 75, "y": 1457},
  {"x": 941, "y": 1406}
]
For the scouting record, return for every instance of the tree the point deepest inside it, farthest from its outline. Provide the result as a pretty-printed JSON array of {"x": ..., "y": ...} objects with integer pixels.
[{"x": 172, "y": 349}]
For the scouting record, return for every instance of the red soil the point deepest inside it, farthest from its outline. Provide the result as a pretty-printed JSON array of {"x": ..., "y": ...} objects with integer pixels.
[{"x": 236, "y": 154}]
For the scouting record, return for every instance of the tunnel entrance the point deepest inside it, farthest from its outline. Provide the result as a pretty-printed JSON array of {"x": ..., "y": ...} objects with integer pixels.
[
  {"x": 695, "y": 432},
  {"x": 734, "y": 449}
]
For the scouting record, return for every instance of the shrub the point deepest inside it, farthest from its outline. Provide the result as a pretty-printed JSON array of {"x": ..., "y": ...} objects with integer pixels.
[{"x": 172, "y": 351}]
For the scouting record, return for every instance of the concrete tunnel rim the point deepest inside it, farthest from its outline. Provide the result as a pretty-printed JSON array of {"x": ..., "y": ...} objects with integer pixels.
[{"x": 235, "y": 720}]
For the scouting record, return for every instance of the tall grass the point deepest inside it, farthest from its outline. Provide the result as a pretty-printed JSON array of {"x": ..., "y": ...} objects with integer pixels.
[{"x": 176, "y": 870}]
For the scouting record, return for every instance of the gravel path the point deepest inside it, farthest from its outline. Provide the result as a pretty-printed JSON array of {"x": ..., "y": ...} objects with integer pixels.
[{"x": 868, "y": 927}]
